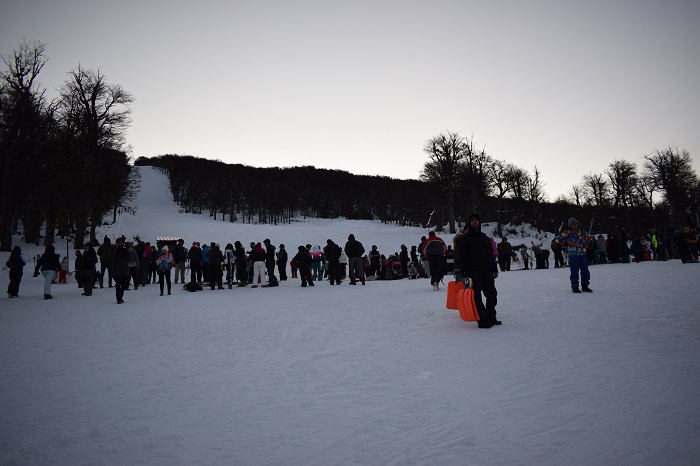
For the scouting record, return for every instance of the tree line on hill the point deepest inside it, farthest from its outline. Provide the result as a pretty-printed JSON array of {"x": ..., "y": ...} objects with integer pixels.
[{"x": 235, "y": 192}]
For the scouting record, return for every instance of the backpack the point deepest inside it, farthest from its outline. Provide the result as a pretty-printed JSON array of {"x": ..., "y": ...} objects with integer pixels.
[{"x": 193, "y": 286}]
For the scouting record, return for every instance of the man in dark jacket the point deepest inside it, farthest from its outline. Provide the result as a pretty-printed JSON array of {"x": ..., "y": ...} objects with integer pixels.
[
  {"x": 241, "y": 264},
  {"x": 354, "y": 251},
  {"x": 216, "y": 258},
  {"x": 120, "y": 269},
  {"x": 505, "y": 251},
  {"x": 332, "y": 253},
  {"x": 87, "y": 273},
  {"x": 303, "y": 262},
  {"x": 270, "y": 259},
  {"x": 195, "y": 257},
  {"x": 478, "y": 267},
  {"x": 180, "y": 260},
  {"x": 106, "y": 253}
]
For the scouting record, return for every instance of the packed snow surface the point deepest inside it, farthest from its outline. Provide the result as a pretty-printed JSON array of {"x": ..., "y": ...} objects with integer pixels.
[{"x": 381, "y": 374}]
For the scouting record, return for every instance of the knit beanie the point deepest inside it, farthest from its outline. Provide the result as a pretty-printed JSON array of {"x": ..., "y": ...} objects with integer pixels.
[{"x": 572, "y": 220}]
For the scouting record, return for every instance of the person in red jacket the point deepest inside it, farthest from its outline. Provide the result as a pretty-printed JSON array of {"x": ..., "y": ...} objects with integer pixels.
[{"x": 434, "y": 249}]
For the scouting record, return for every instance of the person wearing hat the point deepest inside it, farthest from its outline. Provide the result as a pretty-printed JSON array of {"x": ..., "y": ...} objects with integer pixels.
[
  {"x": 165, "y": 264},
  {"x": 574, "y": 241},
  {"x": 479, "y": 270}
]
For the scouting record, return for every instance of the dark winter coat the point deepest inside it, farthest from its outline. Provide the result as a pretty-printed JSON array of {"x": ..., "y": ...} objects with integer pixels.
[
  {"x": 270, "y": 254},
  {"x": 240, "y": 254},
  {"x": 303, "y": 260},
  {"x": 179, "y": 253},
  {"x": 195, "y": 254},
  {"x": 15, "y": 262},
  {"x": 106, "y": 252},
  {"x": 475, "y": 254},
  {"x": 49, "y": 260},
  {"x": 282, "y": 255},
  {"x": 216, "y": 257},
  {"x": 353, "y": 248},
  {"x": 332, "y": 252},
  {"x": 120, "y": 263}
]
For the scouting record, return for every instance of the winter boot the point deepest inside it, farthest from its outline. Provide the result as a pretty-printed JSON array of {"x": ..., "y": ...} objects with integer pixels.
[
  {"x": 586, "y": 289},
  {"x": 48, "y": 296},
  {"x": 574, "y": 289}
]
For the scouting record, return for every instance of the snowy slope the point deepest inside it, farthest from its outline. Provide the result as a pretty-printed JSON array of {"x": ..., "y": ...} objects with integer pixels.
[{"x": 375, "y": 375}]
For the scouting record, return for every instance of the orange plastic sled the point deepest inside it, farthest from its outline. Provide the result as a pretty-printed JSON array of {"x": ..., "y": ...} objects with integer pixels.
[
  {"x": 466, "y": 306},
  {"x": 452, "y": 290}
]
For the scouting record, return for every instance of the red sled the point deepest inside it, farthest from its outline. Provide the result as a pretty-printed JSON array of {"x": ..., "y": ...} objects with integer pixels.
[
  {"x": 453, "y": 289},
  {"x": 466, "y": 306}
]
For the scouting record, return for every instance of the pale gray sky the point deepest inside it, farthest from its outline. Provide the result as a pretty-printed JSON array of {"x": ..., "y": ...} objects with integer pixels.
[{"x": 567, "y": 86}]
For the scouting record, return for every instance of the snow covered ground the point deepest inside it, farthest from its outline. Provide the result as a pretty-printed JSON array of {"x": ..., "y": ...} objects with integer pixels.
[{"x": 380, "y": 374}]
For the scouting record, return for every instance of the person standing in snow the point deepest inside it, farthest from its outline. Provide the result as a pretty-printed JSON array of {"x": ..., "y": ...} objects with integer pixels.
[
  {"x": 332, "y": 254},
  {"x": 354, "y": 251},
  {"x": 120, "y": 269},
  {"x": 434, "y": 249},
  {"x": 282, "y": 259},
  {"x": 87, "y": 272},
  {"x": 216, "y": 258},
  {"x": 270, "y": 260},
  {"x": 602, "y": 250},
  {"x": 505, "y": 252},
  {"x": 180, "y": 260},
  {"x": 229, "y": 261},
  {"x": 16, "y": 265},
  {"x": 575, "y": 241},
  {"x": 479, "y": 270},
  {"x": 49, "y": 265},
  {"x": 257, "y": 258},
  {"x": 303, "y": 263},
  {"x": 318, "y": 261},
  {"x": 241, "y": 264},
  {"x": 164, "y": 264},
  {"x": 195, "y": 257},
  {"x": 133, "y": 265},
  {"x": 106, "y": 253}
]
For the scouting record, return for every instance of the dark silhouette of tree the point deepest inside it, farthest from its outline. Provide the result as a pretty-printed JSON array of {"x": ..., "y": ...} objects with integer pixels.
[
  {"x": 672, "y": 172},
  {"x": 95, "y": 115},
  {"x": 445, "y": 168},
  {"x": 25, "y": 133}
]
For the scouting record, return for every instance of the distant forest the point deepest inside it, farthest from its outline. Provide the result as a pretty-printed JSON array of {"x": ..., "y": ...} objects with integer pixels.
[{"x": 235, "y": 192}]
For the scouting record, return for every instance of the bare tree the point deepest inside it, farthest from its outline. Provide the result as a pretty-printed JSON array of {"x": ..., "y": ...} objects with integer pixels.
[
  {"x": 446, "y": 152},
  {"x": 95, "y": 117},
  {"x": 25, "y": 126},
  {"x": 577, "y": 194},
  {"x": 623, "y": 179},
  {"x": 534, "y": 188},
  {"x": 672, "y": 172},
  {"x": 596, "y": 189}
]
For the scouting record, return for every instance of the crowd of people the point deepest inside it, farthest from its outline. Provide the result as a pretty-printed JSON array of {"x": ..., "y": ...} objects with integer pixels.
[{"x": 126, "y": 264}]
